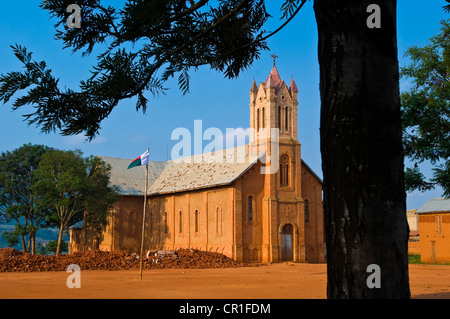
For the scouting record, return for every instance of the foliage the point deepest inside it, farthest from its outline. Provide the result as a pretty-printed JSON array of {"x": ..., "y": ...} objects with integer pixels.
[
  {"x": 40, "y": 249},
  {"x": 17, "y": 200},
  {"x": 168, "y": 38},
  {"x": 99, "y": 194},
  {"x": 426, "y": 112},
  {"x": 447, "y": 7},
  {"x": 74, "y": 188},
  {"x": 52, "y": 246},
  {"x": 60, "y": 184},
  {"x": 11, "y": 238},
  {"x": 414, "y": 259}
]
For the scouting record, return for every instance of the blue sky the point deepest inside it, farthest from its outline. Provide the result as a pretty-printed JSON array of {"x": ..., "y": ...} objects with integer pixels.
[{"x": 217, "y": 101}]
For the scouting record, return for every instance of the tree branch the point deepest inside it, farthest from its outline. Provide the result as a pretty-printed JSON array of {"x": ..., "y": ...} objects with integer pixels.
[{"x": 251, "y": 43}]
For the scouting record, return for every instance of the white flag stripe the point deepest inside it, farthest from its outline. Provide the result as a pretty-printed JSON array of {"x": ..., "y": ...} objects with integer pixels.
[{"x": 144, "y": 158}]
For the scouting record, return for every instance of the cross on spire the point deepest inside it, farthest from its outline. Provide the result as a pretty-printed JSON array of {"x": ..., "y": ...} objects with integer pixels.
[{"x": 274, "y": 57}]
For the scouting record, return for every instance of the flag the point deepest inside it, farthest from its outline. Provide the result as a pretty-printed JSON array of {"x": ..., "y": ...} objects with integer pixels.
[{"x": 141, "y": 160}]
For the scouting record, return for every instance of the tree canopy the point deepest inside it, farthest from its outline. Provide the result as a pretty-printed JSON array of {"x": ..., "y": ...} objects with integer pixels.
[
  {"x": 71, "y": 186},
  {"x": 43, "y": 187},
  {"x": 167, "y": 39},
  {"x": 17, "y": 200},
  {"x": 426, "y": 112}
]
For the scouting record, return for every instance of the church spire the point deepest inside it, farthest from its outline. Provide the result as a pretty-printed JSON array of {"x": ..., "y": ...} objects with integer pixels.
[
  {"x": 254, "y": 88},
  {"x": 293, "y": 86},
  {"x": 273, "y": 80}
]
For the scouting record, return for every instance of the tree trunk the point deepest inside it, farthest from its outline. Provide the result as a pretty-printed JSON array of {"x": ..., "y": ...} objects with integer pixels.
[
  {"x": 24, "y": 245},
  {"x": 33, "y": 242},
  {"x": 29, "y": 243},
  {"x": 60, "y": 237},
  {"x": 362, "y": 154}
]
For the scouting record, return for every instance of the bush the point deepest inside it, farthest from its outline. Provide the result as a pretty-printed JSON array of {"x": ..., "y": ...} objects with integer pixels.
[
  {"x": 414, "y": 259},
  {"x": 51, "y": 246}
]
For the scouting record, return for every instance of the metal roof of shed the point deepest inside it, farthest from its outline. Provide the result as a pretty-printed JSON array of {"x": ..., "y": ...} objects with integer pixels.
[{"x": 435, "y": 205}]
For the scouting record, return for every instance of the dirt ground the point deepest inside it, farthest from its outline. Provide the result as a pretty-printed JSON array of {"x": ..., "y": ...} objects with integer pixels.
[{"x": 275, "y": 281}]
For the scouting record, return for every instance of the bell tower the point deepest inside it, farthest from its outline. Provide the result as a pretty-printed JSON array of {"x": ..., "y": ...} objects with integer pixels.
[
  {"x": 273, "y": 127},
  {"x": 273, "y": 105}
]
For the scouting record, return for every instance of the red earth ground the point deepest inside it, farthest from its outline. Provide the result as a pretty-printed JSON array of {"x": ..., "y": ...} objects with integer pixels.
[{"x": 274, "y": 281}]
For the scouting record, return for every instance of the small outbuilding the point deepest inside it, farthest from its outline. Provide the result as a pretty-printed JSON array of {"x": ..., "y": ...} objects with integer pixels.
[{"x": 434, "y": 227}]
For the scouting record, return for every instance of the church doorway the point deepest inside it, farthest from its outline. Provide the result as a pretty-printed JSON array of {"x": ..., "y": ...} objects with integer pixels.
[{"x": 287, "y": 240}]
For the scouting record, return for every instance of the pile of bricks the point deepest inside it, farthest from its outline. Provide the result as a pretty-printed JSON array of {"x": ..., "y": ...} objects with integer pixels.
[
  {"x": 14, "y": 260},
  {"x": 192, "y": 258},
  {"x": 9, "y": 252},
  {"x": 89, "y": 260}
]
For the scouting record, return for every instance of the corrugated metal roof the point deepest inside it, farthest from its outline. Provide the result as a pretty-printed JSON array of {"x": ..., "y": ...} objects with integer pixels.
[
  {"x": 78, "y": 225},
  {"x": 132, "y": 181},
  {"x": 204, "y": 170},
  {"x": 190, "y": 173},
  {"x": 435, "y": 205}
]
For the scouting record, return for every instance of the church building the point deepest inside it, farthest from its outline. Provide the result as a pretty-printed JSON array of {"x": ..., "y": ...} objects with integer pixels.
[{"x": 214, "y": 202}]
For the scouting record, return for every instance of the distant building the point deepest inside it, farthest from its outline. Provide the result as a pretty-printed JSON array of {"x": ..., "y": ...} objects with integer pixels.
[
  {"x": 228, "y": 207},
  {"x": 413, "y": 223},
  {"x": 413, "y": 220},
  {"x": 434, "y": 227}
]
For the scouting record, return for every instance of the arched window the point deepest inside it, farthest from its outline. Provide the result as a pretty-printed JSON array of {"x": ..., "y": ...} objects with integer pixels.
[
  {"x": 257, "y": 120},
  {"x": 250, "y": 209},
  {"x": 263, "y": 119},
  {"x": 196, "y": 221},
  {"x": 284, "y": 170},
  {"x": 166, "y": 228},
  {"x": 286, "y": 175},
  {"x": 131, "y": 223},
  {"x": 286, "y": 119},
  {"x": 281, "y": 172},
  {"x": 306, "y": 211},
  {"x": 151, "y": 222},
  {"x": 279, "y": 117},
  {"x": 180, "y": 222}
]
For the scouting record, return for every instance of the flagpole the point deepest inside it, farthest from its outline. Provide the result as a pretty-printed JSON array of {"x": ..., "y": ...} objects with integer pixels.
[{"x": 143, "y": 220}]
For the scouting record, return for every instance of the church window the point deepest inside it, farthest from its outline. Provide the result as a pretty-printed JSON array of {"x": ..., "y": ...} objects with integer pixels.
[
  {"x": 180, "y": 222},
  {"x": 196, "y": 221},
  {"x": 166, "y": 228},
  {"x": 286, "y": 119},
  {"x": 263, "y": 119},
  {"x": 257, "y": 119},
  {"x": 281, "y": 171},
  {"x": 284, "y": 170},
  {"x": 306, "y": 211},
  {"x": 286, "y": 174},
  {"x": 131, "y": 222},
  {"x": 250, "y": 208},
  {"x": 279, "y": 117},
  {"x": 151, "y": 222}
]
